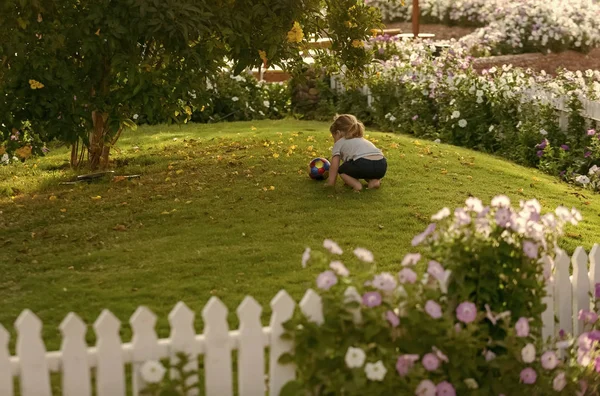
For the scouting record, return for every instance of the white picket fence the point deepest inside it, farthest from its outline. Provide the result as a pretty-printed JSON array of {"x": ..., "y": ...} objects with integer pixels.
[{"x": 76, "y": 361}]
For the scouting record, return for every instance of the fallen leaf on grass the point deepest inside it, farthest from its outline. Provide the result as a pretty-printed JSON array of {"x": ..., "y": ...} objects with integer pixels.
[
  {"x": 444, "y": 171},
  {"x": 63, "y": 210},
  {"x": 179, "y": 172},
  {"x": 52, "y": 198},
  {"x": 117, "y": 179},
  {"x": 275, "y": 155},
  {"x": 120, "y": 227},
  {"x": 97, "y": 197}
]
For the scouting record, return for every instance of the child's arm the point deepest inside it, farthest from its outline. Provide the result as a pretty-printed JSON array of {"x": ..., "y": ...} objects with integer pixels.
[{"x": 333, "y": 170}]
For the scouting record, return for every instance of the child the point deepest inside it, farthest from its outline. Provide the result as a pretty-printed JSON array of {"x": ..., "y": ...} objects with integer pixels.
[{"x": 362, "y": 160}]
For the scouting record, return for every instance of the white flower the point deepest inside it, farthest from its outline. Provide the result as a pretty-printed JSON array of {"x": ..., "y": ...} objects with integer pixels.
[
  {"x": 5, "y": 159},
  {"x": 355, "y": 357},
  {"x": 235, "y": 98},
  {"x": 593, "y": 170},
  {"x": 462, "y": 123},
  {"x": 491, "y": 128},
  {"x": 392, "y": 118},
  {"x": 474, "y": 204},
  {"x": 442, "y": 214},
  {"x": 543, "y": 132},
  {"x": 363, "y": 255},
  {"x": 266, "y": 103},
  {"x": 385, "y": 281},
  {"x": 135, "y": 116},
  {"x": 375, "y": 371},
  {"x": 339, "y": 268},
  {"x": 479, "y": 93},
  {"x": 489, "y": 355},
  {"x": 582, "y": 179},
  {"x": 261, "y": 113},
  {"x": 411, "y": 259},
  {"x": 528, "y": 353},
  {"x": 333, "y": 247},
  {"x": 471, "y": 383},
  {"x": 438, "y": 141},
  {"x": 305, "y": 257},
  {"x": 501, "y": 201},
  {"x": 152, "y": 371},
  {"x": 455, "y": 114}
]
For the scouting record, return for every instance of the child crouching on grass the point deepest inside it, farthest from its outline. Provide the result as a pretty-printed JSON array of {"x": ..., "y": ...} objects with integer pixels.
[{"x": 361, "y": 159}]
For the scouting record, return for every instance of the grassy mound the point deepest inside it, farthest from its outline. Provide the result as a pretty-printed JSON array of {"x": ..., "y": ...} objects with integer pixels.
[{"x": 226, "y": 210}]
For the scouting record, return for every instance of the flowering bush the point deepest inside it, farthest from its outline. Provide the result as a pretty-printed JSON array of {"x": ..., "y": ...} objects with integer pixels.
[
  {"x": 463, "y": 318},
  {"x": 513, "y": 27}
]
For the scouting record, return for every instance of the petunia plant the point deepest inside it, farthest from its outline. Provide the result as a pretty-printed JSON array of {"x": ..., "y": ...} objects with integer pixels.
[{"x": 461, "y": 317}]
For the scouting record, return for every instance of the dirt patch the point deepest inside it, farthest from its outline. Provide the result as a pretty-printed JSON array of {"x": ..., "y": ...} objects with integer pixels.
[{"x": 570, "y": 60}]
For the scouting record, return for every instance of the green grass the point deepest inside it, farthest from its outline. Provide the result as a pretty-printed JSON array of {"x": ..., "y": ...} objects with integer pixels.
[{"x": 203, "y": 219}]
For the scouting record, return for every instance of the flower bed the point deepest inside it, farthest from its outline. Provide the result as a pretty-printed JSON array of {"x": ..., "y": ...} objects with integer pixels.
[
  {"x": 507, "y": 111},
  {"x": 514, "y": 27},
  {"x": 468, "y": 324}
]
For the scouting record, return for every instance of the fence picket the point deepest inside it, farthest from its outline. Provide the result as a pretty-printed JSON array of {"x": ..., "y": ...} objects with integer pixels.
[
  {"x": 312, "y": 307},
  {"x": 74, "y": 360},
  {"x": 594, "y": 269},
  {"x": 581, "y": 287},
  {"x": 251, "y": 352},
  {"x": 35, "y": 378},
  {"x": 110, "y": 372},
  {"x": 183, "y": 336},
  {"x": 548, "y": 300},
  {"x": 217, "y": 355},
  {"x": 563, "y": 292},
  {"x": 144, "y": 344},
  {"x": 6, "y": 379},
  {"x": 282, "y": 306}
]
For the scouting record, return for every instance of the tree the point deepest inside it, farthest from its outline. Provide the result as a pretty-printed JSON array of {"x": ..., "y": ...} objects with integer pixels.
[{"x": 78, "y": 71}]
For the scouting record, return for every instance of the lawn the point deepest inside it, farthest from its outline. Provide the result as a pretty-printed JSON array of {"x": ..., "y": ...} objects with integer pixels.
[{"x": 226, "y": 210}]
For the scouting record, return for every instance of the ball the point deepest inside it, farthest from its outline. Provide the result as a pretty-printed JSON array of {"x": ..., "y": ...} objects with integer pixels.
[{"x": 318, "y": 169}]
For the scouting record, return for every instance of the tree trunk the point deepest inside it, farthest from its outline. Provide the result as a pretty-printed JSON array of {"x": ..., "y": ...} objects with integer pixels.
[
  {"x": 99, "y": 150},
  {"x": 415, "y": 18}
]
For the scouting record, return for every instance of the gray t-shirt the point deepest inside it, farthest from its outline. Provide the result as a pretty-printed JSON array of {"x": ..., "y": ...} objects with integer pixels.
[{"x": 353, "y": 149}]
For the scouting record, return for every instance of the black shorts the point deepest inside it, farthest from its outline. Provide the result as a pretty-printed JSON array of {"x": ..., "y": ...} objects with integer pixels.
[{"x": 364, "y": 168}]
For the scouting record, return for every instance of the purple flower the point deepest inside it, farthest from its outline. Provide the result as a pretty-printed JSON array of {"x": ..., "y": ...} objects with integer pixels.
[
  {"x": 466, "y": 312},
  {"x": 433, "y": 309},
  {"x": 591, "y": 132},
  {"x": 371, "y": 299},
  {"x": 543, "y": 144},
  {"x": 405, "y": 363},
  {"x": 414, "y": 118},
  {"x": 462, "y": 217},
  {"x": 436, "y": 270},
  {"x": 522, "y": 327},
  {"x": 588, "y": 316},
  {"x": 587, "y": 154},
  {"x": 45, "y": 150},
  {"x": 564, "y": 147},
  {"x": 528, "y": 376},
  {"x": 407, "y": 275},
  {"x": 549, "y": 360},
  {"x": 597, "y": 364},
  {"x": 540, "y": 153},
  {"x": 503, "y": 216},
  {"x": 530, "y": 249},
  {"x": 562, "y": 173},
  {"x": 597, "y": 290},
  {"x": 384, "y": 281},
  {"x": 594, "y": 335},
  {"x": 430, "y": 362},
  {"x": 391, "y": 317},
  {"x": 417, "y": 240},
  {"x": 326, "y": 280},
  {"x": 445, "y": 388},
  {"x": 425, "y": 388},
  {"x": 381, "y": 50}
]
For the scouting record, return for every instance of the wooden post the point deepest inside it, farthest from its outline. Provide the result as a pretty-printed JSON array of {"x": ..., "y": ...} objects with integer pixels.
[{"x": 415, "y": 18}]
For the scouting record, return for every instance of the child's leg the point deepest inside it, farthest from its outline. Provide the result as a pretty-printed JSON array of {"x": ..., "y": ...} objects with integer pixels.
[
  {"x": 374, "y": 183},
  {"x": 352, "y": 182}
]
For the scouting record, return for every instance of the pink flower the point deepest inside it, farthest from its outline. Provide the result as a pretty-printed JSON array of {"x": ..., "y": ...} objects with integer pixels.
[
  {"x": 559, "y": 382},
  {"x": 530, "y": 249},
  {"x": 371, "y": 299},
  {"x": 430, "y": 362},
  {"x": 339, "y": 268},
  {"x": 411, "y": 259},
  {"x": 433, "y": 309},
  {"x": 392, "y": 318},
  {"x": 597, "y": 364},
  {"x": 406, "y": 275},
  {"x": 549, "y": 360},
  {"x": 385, "y": 281},
  {"x": 588, "y": 316},
  {"x": 591, "y": 132},
  {"x": 417, "y": 240},
  {"x": 528, "y": 376},
  {"x": 426, "y": 388},
  {"x": 326, "y": 280},
  {"x": 363, "y": 255},
  {"x": 522, "y": 327},
  {"x": 466, "y": 312},
  {"x": 405, "y": 363},
  {"x": 436, "y": 270},
  {"x": 445, "y": 388}
]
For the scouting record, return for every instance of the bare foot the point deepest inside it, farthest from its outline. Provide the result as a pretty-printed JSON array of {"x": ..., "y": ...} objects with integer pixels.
[{"x": 373, "y": 184}]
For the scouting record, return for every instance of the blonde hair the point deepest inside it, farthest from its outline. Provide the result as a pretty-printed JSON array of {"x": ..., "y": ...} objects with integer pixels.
[{"x": 348, "y": 125}]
